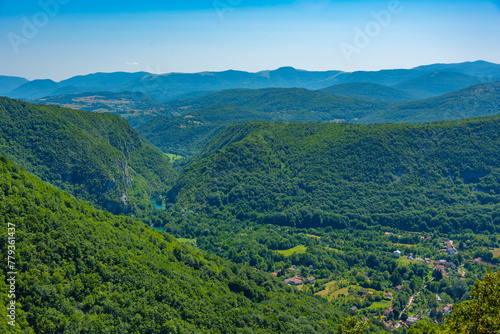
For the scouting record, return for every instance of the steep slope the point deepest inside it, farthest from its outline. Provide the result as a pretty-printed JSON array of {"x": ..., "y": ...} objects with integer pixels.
[
  {"x": 8, "y": 83},
  {"x": 369, "y": 91},
  {"x": 440, "y": 175},
  {"x": 286, "y": 104},
  {"x": 437, "y": 83},
  {"x": 474, "y": 101},
  {"x": 186, "y": 135},
  {"x": 80, "y": 270},
  {"x": 96, "y": 157},
  {"x": 136, "y": 108}
]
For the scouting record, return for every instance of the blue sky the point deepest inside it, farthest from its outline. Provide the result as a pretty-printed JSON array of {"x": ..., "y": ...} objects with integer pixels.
[{"x": 77, "y": 37}]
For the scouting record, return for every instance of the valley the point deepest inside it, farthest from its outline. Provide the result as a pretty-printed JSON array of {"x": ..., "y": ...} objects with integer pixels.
[{"x": 293, "y": 203}]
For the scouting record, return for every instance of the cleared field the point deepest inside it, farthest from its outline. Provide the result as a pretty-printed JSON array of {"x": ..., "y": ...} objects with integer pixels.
[
  {"x": 174, "y": 157},
  {"x": 406, "y": 245},
  {"x": 299, "y": 249},
  {"x": 381, "y": 304},
  {"x": 496, "y": 252},
  {"x": 330, "y": 291},
  {"x": 313, "y": 236}
]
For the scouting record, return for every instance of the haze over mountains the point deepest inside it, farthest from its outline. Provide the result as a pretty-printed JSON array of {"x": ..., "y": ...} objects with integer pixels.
[{"x": 169, "y": 86}]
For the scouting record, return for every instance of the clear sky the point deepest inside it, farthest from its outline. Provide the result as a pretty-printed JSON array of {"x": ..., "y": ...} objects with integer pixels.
[{"x": 64, "y": 38}]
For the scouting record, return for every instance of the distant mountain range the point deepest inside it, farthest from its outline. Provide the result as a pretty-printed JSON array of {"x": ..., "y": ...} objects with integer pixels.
[{"x": 422, "y": 82}]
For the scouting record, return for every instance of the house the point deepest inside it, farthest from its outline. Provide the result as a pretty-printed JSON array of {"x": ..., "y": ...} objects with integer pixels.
[
  {"x": 311, "y": 280},
  {"x": 477, "y": 260},
  {"x": 438, "y": 298},
  {"x": 397, "y": 254},
  {"x": 275, "y": 274},
  {"x": 388, "y": 295},
  {"x": 291, "y": 268},
  {"x": 362, "y": 292},
  {"x": 451, "y": 251},
  {"x": 410, "y": 256},
  {"x": 387, "y": 312},
  {"x": 439, "y": 267},
  {"x": 446, "y": 310},
  {"x": 388, "y": 324},
  {"x": 399, "y": 287},
  {"x": 354, "y": 309},
  {"x": 443, "y": 250},
  {"x": 387, "y": 233},
  {"x": 413, "y": 319},
  {"x": 297, "y": 280},
  {"x": 427, "y": 260},
  {"x": 451, "y": 265}
]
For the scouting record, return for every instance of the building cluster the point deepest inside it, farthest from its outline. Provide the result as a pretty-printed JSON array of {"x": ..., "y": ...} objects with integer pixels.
[
  {"x": 298, "y": 280},
  {"x": 444, "y": 266}
]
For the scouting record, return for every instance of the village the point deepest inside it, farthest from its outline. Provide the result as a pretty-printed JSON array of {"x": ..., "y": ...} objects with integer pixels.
[{"x": 416, "y": 299}]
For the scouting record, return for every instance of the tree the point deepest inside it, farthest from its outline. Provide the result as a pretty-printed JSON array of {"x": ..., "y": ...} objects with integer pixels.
[
  {"x": 352, "y": 325},
  {"x": 481, "y": 315},
  {"x": 424, "y": 327}
]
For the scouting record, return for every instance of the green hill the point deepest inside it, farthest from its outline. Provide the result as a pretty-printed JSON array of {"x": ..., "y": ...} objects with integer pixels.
[
  {"x": 369, "y": 91},
  {"x": 437, "y": 83},
  {"x": 439, "y": 176},
  {"x": 286, "y": 104},
  {"x": 80, "y": 270},
  {"x": 474, "y": 101},
  {"x": 96, "y": 157}
]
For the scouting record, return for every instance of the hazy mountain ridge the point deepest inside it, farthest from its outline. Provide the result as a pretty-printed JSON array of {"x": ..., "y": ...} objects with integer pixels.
[
  {"x": 369, "y": 91},
  {"x": 8, "y": 83},
  {"x": 167, "y": 86}
]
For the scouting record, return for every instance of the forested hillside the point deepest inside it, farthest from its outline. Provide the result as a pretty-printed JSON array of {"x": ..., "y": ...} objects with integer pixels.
[
  {"x": 369, "y": 91},
  {"x": 440, "y": 176},
  {"x": 437, "y": 83},
  {"x": 478, "y": 100},
  {"x": 96, "y": 157},
  {"x": 286, "y": 104},
  {"x": 81, "y": 270}
]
